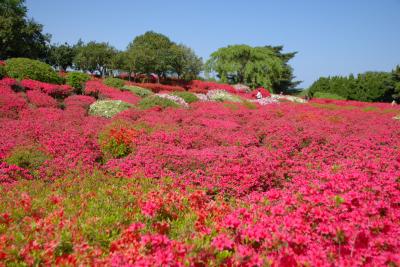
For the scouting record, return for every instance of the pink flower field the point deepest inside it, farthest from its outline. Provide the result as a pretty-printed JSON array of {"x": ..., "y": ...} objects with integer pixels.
[{"x": 215, "y": 184}]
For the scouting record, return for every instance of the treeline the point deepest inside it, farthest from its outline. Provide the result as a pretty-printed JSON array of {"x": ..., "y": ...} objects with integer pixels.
[
  {"x": 367, "y": 87},
  {"x": 147, "y": 54}
]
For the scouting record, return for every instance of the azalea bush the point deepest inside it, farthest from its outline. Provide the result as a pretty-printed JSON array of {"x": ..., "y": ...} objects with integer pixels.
[
  {"x": 108, "y": 108},
  {"x": 217, "y": 184}
]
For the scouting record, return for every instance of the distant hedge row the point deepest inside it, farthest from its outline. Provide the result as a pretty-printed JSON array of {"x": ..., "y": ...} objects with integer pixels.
[{"x": 367, "y": 87}]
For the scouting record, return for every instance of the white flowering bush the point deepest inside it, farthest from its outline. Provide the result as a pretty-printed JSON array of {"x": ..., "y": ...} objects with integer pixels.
[
  {"x": 108, "y": 108},
  {"x": 221, "y": 96}
]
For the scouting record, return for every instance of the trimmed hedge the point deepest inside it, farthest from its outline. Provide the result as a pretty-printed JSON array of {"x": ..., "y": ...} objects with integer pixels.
[
  {"x": 156, "y": 101},
  {"x": 77, "y": 80},
  {"x": 25, "y": 68},
  {"x": 139, "y": 91},
  {"x": 187, "y": 96},
  {"x": 114, "y": 82},
  {"x": 328, "y": 96}
]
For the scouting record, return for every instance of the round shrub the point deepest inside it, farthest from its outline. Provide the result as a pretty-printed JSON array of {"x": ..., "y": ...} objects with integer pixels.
[
  {"x": 25, "y": 68},
  {"x": 2, "y": 71},
  {"x": 187, "y": 96},
  {"x": 139, "y": 91},
  {"x": 108, "y": 108},
  {"x": 156, "y": 101},
  {"x": 114, "y": 82},
  {"x": 117, "y": 140},
  {"x": 77, "y": 80}
]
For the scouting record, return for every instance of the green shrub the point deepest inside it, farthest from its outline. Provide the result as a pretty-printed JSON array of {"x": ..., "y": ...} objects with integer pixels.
[
  {"x": 114, "y": 82},
  {"x": 108, "y": 108},
  {"x": 187, "y": 96},
  {"x": 27, "y": 157},
  {"x": 139, "y": 91},
  {"x": 154, "y": 101},
  {"x": 77, "y": 80},
  {"x": 328, "y": 96},
  {"x": 25, "y": 68}
]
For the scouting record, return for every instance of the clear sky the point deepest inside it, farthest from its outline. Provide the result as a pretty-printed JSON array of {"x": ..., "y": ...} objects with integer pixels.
[{"x": 335, "y": 37}]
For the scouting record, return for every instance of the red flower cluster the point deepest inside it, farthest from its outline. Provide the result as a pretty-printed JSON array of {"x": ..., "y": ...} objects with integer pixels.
[
  {"x": 97, "y": 89},
  {"x": 198, "y": 86},
  {"x": 53, "y": 90},
  {"x": 40, "y": 99}
]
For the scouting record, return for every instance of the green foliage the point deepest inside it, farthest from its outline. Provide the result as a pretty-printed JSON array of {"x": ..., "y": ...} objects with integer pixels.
[
  {"x": 253, "y": 66},
  {"x": 77, "y": 80},
  {"x": 114, "y": 82},
  {"x": 108, "y": 108},
  {"x": 368, "y": 87},
  {"x": 61, "y": 56},
  {"x": 27, "y": 157},
  {"x": 396, "y": 80},
  {"x": 155, "y": 53},
  {"x": 94, "y": 56},
  {"x": 19, "y": 35},
  {"x": 184, "y": 62},
  {"x": 24, "y": 68},
  {"x": 328, "y": 96},
  {"x": 139, "y": 91},
  {"x": 155, "y": 101},
  {"x": 150, "y": 53},
  {"x": 187, "y": 96}
]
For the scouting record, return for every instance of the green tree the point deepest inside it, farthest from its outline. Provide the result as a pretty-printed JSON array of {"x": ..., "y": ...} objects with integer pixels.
[
  {"x": 396, "y": 81},
  {"x": 253, "y": 66},
  {"x": 61, "y": 56},
  {"x": 20, "y": 36},
  {"x": 150, "y": 53},
  {"x": 184, "y": 62},
  {"x": 94, "y": 56}
]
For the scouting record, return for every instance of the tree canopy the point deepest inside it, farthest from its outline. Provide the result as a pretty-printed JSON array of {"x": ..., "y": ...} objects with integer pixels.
[
  {"x": 94, "y": 56},
  {"x": 19, "y": 35},
  {"x": 61, "y": 56},
  {"x": 254, "y": 66}
]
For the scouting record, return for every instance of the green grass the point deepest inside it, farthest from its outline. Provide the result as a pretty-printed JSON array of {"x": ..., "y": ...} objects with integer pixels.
[
  {"x": 328, "y": 96},
  {"x": 187, "y": 96}
]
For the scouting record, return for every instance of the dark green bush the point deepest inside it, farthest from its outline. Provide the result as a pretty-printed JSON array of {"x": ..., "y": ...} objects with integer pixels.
[
  {"x": 77, "y": 80},
  {"x": 114, "y": 82},
  {"x": 155, "y": 101},
  {"x": 2, "y": 72},
  {"x": 139, "y": 91},
  {"x": 328, "y": 96},
  {"x": 25, "y": 68},
  {"x": 187, "y": 96},
  {"x": 27, "y": 157}
]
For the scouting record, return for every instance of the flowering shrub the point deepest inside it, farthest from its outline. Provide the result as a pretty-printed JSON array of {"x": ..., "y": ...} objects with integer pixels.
[
  {"x": 99, "y": 90},
  {"x": 114, "y": 82},
  {"x": 40, "y": 99},
  {"x": 219, "y": 184},
  {"x": 53, "y": 90},
  {"x": 118, "y": 139},
  {"x": 202, "y": 86},
  {"x": 221, "y": 96},
  {"x": 108, "y": 108},
  {"x": 30, "y": 158}
]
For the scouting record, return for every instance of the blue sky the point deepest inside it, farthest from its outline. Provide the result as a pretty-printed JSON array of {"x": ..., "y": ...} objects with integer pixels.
[{"x": 332, "y": 37}]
